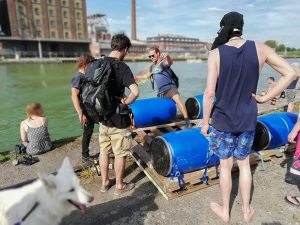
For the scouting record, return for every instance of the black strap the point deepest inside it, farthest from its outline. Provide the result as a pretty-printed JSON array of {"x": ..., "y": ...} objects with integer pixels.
[{"x": 30, "y": 211}]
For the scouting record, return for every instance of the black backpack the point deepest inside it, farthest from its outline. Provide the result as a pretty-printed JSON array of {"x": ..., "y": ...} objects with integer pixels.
[
  {"x": 96, "y": 101},
  {"x": 174, "y": 77}
]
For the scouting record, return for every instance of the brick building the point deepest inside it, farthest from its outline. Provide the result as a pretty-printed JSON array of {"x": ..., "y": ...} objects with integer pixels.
[
  {"x": 179, "y": 45},
  {"x": 44, "y": 28}
]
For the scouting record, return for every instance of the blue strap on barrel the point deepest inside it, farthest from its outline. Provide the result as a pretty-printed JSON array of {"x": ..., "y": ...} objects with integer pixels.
[
  {"x": 209, "y": 160},
  {"x": 261, "y": 158},
  {"x": 176, "y": 173}
]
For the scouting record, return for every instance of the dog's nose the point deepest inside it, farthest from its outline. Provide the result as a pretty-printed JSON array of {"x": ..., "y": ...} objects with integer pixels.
[{"x": 91, "y": 198}]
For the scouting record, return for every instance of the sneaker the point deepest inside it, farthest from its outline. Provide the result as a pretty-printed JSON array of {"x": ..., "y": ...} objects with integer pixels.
[
  {"x": 87, "y": 160},
  {"x": 127, "y": 187}
]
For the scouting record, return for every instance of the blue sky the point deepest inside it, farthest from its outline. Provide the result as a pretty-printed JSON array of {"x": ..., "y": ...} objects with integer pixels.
[{"x": 264, "y": 19}]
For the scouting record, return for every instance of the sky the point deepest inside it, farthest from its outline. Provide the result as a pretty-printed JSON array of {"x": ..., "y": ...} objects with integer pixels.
[{"x": 264, "y": 19}]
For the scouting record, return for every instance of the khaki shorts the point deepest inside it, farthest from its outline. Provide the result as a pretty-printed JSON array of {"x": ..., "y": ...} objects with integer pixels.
[{"x": 114, "y": 140}]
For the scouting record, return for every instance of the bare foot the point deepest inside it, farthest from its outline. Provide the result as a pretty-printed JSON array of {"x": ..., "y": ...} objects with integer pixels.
[
  {"x": 218, "y": 210},
  {"x": 248, "y": 214}
]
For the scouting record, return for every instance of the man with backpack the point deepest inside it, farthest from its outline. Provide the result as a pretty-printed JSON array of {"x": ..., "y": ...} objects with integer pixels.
[
  {"x": 166, "y": 80},
  {"x": 105, "y": 100}
]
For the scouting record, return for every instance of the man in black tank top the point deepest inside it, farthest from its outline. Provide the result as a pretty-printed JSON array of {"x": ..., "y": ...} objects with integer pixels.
[{"x": 234, "y": 64}]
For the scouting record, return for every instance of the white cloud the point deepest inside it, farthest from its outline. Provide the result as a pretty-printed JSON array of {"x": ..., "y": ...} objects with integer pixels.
[{"x": 215, "y": 9}]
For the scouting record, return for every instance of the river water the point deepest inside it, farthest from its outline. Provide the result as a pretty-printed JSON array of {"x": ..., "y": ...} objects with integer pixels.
[{"x": 49, "y": 84}]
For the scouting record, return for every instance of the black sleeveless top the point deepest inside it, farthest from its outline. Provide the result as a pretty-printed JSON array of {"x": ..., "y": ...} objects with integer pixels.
[{"x": 235, "y": 109}]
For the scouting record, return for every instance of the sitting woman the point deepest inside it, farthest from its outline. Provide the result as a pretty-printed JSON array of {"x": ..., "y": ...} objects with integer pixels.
[{"x": 34, "y": 130}]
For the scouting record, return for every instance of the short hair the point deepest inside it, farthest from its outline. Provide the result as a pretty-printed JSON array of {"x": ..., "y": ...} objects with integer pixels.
[
  {"x": 84, "y": 60},
  {"x": 120, "y": 42},
  {"x": 271, "y": 78},
  {"x": 155, "y": 48}
]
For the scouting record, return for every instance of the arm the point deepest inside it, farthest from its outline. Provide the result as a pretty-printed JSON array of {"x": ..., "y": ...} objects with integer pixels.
[
  {"x": 292, "y": 135},
  {"x": 281, "y": 66},
  {"x": 23, "y": 133},
  {"x": 134, "y": 94},
  {"x": 169, "y": 60},
  {"x": 209, "y": 93},
  {"x": 76, "y": 103}
]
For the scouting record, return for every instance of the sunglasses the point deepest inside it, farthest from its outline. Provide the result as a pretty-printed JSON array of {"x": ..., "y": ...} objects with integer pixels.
[{"x": 151, "y": 56}]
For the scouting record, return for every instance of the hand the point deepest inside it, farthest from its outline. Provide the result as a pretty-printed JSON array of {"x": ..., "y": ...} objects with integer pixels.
[
  {"x": 164, "y": 55},
  {"x": 123, "y": 100},
  {"x": 204, "y": 129},
  {"x": 259, "y": 99},
  {"x": 291, "y": 137},
  {"x": 82, "y": 118}
]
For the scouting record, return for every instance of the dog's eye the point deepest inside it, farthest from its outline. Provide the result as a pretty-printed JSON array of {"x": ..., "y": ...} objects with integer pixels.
[{"x": 72, "y": 190}]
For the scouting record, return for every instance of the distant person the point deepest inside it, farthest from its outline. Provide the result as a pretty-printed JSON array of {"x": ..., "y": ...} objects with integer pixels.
[
  {"x": 165, "y": 81},
  {"x": 271, "y": 84},
  {"x": 234, "y": 65},
  {"x": 115, "y": 135},
  {"x": 34, "y": 130},
  {"x": 291, "y": 89},
  {"x": 88, "y": 123}
]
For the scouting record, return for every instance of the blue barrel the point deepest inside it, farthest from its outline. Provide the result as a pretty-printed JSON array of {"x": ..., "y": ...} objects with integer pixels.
[
  {"x": 194, "y": 107},
  {"x": 153, "y": 111},
  {"x": 272, "y": 130},
  {"x": 184, "y": 150}
]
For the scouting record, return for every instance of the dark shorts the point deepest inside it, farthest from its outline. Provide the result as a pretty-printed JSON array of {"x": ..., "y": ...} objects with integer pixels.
[
  {"x": 226, "y": 144},
  {"x": 169, "y": 93}
]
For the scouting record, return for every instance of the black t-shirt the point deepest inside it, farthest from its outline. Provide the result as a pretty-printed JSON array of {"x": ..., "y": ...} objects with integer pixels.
[{"x": 123, "y": 79}]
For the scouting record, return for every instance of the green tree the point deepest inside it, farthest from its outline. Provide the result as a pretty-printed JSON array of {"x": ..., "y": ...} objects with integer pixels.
[
  {"x": 271, "y": 43},
  {"x": 280, "y": 48}
]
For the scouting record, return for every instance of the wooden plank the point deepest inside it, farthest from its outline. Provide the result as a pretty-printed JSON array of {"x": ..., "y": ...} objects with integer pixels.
[
  {"x": 156, "y": 132},
  {"x": 144, "y": 137},
  {"x": 172, "y": 124}
]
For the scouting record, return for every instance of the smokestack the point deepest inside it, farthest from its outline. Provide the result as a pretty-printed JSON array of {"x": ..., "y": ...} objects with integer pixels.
[{"x": 133, "y": 20}]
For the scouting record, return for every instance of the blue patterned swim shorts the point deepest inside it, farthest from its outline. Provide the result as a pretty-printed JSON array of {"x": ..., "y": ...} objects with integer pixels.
[{"x": 226, "y": 144}]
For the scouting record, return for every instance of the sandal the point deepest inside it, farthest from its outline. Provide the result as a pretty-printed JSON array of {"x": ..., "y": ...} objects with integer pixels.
[
  {"x": 127, "y": 187},
  {"x": 273, "y": 101},
  {"x": 294, "y": 200}
]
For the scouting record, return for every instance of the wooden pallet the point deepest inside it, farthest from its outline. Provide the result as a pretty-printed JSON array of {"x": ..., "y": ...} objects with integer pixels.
[{"x": 169, "y": 187}]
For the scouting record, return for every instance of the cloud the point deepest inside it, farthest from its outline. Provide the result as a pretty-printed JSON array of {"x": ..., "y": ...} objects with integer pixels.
[
  {"x": 215, "y": 9},
  {"x": 264, "y": 19},
  {"x": 113, "y": 22}
]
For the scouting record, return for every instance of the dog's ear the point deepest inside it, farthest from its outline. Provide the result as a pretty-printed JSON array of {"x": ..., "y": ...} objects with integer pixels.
[
  {"x": 66, "y": 166},
  {"x": 48, "y": 181}
]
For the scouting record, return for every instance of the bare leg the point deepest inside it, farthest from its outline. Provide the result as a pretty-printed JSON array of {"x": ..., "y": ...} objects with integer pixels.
[
  {"x": 225, "y": 185},
  {"x": 290, "y": 107},
  {"x": 103, "y": 160},
  {"x": 119, "y": 170},
  {"x": 180, "y": 105},
  {"x": 245, "y": 181}
]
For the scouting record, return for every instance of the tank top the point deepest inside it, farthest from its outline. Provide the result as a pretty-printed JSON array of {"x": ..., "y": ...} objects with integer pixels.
[
  {"x": 235, "y": 109},
  {"x": 39, "y": 140}
]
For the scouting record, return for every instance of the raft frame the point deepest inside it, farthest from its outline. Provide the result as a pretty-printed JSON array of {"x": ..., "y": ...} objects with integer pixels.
[{"x": 169, "y": 187}]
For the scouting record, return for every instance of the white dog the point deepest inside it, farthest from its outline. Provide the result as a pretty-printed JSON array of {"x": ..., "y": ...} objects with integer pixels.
[{"x": 45, "y": 201}]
